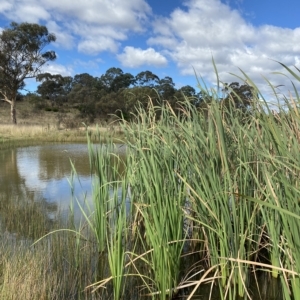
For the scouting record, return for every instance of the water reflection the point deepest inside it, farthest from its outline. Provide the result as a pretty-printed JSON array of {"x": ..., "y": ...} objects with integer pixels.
[{"x": 42, "y": 174}]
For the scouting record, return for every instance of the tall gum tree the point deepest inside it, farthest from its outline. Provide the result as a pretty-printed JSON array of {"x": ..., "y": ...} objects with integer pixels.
[{"x": 22, "y": 55}]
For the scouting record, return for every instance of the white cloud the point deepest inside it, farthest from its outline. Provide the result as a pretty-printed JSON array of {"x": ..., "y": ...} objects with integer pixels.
[
  {"x": 210, "y": 28},
  {"x": 136, "y": 57},
  {"x": 92, "y": 31},
  {"x": 27, "y": 11},
  {"x": 94, "y": 46},
  {"x": 55, "y": 68},
  {"x": 94, "y": 39},
  {"x": 89, "y": 23},
  {"x": 123, "y": 14},
  {"x": 88, "y": 64},
  {"x": 5, "y": 6},
  {"x": 63, "y": 38}
]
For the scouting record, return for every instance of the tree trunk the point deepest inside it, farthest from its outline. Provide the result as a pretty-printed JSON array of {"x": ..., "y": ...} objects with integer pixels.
[{"x": 13, "y": 111}]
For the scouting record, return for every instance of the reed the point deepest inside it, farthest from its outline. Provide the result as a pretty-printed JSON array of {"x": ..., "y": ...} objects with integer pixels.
[
  {"x": 158, "y": 194},
  {"x": 233, "y": 175}
]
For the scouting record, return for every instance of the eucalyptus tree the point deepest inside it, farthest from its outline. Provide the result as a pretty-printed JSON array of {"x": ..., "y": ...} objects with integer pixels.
[
  {"x": 109, "y": 76},
  {"x": 84, "y": 89},
  {"x": 54, "y": 87},
  {"x": 166, "y": 88},
  {"x": 187, "y": 91},
  {"x": 22, "y": 55},
  {"x": 241, "y": 96},
  {"x": 146, "y": 79},
  {"x": 138, "y": 96},
  {"x": 85, "y": 80},
  {"x": 115, "y": 79}
]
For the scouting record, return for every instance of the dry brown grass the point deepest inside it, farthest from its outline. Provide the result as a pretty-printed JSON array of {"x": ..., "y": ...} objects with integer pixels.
[
  {"x": 27, "y": 114},
  {"x": 25, "y": 276},
  {"x": 45, "y": 271},
  {"x": 35, "y": 126},
  {"x": 19, "y": 131}
]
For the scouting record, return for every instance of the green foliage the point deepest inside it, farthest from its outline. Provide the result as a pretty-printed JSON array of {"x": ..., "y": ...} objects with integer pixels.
[
  {"x": 21, "y": 57},
  {"x": 240, "y": 96},
  {"x": 166, "y": 88},
  {"x": 54, "y": 87},
  {"x": 114, "y": 80},
  {"x": 211, "y": 185},
  {"x": 119, "y": 93},
  {"x": 147, "y": 79}
]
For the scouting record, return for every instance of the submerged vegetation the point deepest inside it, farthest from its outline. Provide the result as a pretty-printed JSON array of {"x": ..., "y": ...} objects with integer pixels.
[{"x": 208, "y": 203}]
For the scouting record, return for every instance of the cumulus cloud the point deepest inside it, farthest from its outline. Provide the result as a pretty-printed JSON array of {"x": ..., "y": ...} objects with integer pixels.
[
  {"x": 87, "y": 23},
  {"x": 136, "y": 57},
  {"x": 5, "y": 6},
  {"x": 26, "y": 12},
  {"x": 55, "y": 68},
  {"x": 123, "y": 14},
  {"x": 210, "y": 28},
  {"x": 63, "y": 38},
  {"x": 88, "y": 64},
  {"x": 94, "y": 46}
]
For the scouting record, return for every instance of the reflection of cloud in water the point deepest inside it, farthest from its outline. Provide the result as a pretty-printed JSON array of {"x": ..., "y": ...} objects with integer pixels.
[
  {"x": 31, "y": 163},
  {"x": 28, "y": 167},
  {"x": 61, "y": 192}
]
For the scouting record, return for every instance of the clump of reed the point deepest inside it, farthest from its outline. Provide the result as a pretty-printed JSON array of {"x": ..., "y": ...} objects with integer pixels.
[{"x": 212, "y": 181}]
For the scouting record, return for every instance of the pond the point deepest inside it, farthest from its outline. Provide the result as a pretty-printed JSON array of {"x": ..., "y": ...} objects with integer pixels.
[{"x": 43, "y": 174}]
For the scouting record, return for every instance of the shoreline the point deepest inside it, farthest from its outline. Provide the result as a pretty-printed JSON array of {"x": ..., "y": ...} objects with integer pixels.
[{"x": 28, "y": 135}]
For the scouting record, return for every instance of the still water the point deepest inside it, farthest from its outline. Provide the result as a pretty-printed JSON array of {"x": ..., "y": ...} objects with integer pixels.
[{"x": 43, "y": 174}]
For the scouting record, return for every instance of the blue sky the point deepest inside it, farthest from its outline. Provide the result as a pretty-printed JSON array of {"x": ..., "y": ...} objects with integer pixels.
[{"x": 170, "y": 37}]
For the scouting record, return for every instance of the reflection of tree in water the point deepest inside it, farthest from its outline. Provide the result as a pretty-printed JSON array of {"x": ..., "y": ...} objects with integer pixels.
[
  {"x": 24, "y": 209},
  {"x": 22, "y": 212},
  {"x": 56, "y": 163}
]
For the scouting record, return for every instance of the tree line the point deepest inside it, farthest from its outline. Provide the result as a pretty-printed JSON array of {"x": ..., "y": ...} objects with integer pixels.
[
  {"x": 22, "y": 56},
  {"x": 114, "y": 92}
]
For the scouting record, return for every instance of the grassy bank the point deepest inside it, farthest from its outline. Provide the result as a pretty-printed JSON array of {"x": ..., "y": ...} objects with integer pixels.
[
  {"x": 23, "y": 135},
  {"x": 207, "y": 204},
  {"x": 38, "y": 126}
]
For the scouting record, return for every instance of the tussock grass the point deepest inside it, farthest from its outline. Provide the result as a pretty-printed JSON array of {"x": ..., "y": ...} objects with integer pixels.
[{"x": 25, "y": 275}]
